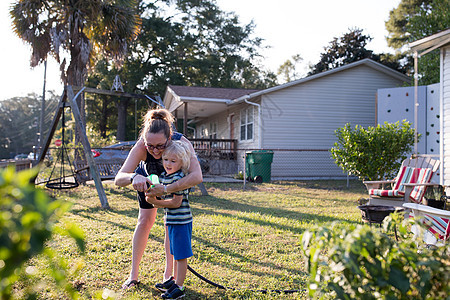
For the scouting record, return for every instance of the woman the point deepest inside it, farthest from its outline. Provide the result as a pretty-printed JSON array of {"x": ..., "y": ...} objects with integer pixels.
[{"x": 145, "y": 159}]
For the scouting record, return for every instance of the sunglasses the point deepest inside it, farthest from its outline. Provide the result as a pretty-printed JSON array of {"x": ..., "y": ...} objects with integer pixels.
[{"x": 159, "y": 147}]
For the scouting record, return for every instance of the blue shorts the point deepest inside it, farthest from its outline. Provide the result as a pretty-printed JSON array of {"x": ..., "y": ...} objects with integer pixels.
[{"x": 180, "y": 240}]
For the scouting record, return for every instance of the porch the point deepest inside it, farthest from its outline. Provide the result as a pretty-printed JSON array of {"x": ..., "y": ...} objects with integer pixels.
[
  {"x": 216, "y": 156},
  {"x": 210, "y": 148}
]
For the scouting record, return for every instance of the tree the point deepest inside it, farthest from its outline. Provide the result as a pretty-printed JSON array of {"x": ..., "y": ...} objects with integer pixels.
[
  {"x": 416, "y": 19},
  {"x": 19, "y": 123},
  {"x": 289, "y": 68},
  {"x": 398, "y": 21},
  {"x": 102, "y": 108},
  {"x": 349, "y": 48},
  {"x": 81, "y": 28},
  {"x": 187, "y": 43}
]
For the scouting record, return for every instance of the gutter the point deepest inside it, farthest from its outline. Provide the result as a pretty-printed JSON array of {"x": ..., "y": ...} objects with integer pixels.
[{"x": 259, "y": 118}]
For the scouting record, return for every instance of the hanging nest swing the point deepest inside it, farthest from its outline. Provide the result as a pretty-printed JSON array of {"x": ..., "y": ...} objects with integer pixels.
[{"x": 61, "y": 174}]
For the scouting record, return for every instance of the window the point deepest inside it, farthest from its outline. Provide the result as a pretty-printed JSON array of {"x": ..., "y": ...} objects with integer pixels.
[
  {"x": 203, "y": 132},
  {"x": 213, "y": 130},
  {"x": 247, "y": 124}
]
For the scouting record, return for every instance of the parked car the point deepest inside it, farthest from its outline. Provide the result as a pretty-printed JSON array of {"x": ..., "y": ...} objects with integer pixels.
[
  {"x": 113, "y": 152},
  {"x": 121, "y": 145},
  {"x": 47, "y": 156},
  {"x": 31, "y": 155},
  {"x": 120, "y": 151},
  {"x": 20, "y": 156}
]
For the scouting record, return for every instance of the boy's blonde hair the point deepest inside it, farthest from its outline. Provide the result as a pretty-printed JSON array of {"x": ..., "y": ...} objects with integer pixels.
[{"x": 182, "y": 151}]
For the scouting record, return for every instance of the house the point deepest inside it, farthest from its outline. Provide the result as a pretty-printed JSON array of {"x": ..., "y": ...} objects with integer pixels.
[
  {"x": 297, "y": 119},
  {"x": 421, "y": 47}
]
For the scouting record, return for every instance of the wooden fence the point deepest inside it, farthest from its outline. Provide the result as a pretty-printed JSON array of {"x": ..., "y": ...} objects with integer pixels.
[{"x": 20, "y": 165}]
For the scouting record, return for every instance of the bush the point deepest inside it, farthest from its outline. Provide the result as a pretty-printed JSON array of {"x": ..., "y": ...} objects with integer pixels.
[
  {"x": 28, "y": 219},
  {"x": 361, "y": 262},
  {"x": 373, "y": 153}
]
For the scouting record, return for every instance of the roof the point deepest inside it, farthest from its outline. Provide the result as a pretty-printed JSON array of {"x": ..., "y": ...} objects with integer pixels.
[
  {"x": 364, "y": 62},
  {"x": 206, "y": 101},
  {"x": 431, "y": 42},
  {"x": 201, "y": 101},
  {"x": 186, "y": 92}
]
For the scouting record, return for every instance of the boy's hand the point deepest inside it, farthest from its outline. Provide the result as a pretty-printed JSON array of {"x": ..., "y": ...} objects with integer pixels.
[
  {"x": 156, "y": 191},
  {"x": 150, "y": 199}
]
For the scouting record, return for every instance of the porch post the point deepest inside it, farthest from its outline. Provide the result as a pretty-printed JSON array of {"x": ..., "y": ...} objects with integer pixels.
[{"x": 185, "y": 120}]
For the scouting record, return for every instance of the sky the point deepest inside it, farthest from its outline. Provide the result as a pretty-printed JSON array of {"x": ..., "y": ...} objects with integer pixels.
[{"x": 289, "y": 27}]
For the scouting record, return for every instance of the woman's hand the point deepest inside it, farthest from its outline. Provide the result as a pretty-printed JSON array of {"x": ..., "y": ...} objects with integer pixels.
[
  {"x": 156, "y": 191},
  {"x": 140, "y": 183},
  {"x": 138, "y": 153}
]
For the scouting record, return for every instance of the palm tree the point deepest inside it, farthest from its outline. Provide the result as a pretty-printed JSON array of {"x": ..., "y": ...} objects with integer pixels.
[{"x": 81, "y": 28}]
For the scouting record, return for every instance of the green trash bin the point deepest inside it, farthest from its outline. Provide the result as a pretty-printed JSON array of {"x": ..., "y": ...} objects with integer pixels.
[{"x": 258, "y": 165}]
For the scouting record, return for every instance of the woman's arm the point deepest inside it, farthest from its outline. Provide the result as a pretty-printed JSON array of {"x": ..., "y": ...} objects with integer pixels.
[
  {"x": 193, "y": 177},
  {"x": 175, "y": 202},
  {"x": 123, "y": 177}
]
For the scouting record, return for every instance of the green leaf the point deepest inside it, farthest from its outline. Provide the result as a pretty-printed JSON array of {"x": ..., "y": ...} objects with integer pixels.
[{"x": 398, "y": 279}]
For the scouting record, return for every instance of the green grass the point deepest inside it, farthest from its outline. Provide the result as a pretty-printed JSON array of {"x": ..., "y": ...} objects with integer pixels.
[{"x": 247, "y": 240}]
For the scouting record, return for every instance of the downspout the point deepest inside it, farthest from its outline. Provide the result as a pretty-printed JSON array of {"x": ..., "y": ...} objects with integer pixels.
[
  {"x": 441, "y": 114},
  {"x": 416, "y": 104},
  {"x": 259, "y": 119}
]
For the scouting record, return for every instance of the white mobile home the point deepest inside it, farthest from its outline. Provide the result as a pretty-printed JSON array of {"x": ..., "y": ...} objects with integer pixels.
[{"x": 421, "y": 47}]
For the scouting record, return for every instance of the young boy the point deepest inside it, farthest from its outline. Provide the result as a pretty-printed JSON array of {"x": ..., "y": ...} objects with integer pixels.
[{"x": 178, "y": 217}]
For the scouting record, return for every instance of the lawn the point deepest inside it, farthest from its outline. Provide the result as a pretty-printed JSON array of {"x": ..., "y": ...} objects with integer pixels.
[{"x": 247, "y": 240}]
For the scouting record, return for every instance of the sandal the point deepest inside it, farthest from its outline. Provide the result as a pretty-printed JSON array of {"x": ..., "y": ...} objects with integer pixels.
[{"x": 130, "y": 283}]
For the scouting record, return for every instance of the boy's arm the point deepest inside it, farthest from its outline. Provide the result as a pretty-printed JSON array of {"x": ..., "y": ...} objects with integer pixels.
[{"x": 174, "y": 202}]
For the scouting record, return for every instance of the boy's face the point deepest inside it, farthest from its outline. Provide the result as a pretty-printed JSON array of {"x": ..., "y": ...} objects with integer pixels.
[{"x": 171, "y": 163}]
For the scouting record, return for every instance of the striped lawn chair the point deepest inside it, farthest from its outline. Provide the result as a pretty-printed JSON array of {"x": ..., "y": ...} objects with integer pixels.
[
  {"x": 436, "y": 222},
  {"x": 410, "y": 184}
]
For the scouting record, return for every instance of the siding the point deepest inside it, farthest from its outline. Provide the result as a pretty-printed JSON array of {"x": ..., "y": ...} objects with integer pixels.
[
  {"x": 306, "y": 116},
  {"x": 445, "y": 112}
]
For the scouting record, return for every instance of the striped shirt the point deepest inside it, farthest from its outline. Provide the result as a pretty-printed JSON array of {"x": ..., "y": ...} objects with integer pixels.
[{"x": 182, "y": 214}]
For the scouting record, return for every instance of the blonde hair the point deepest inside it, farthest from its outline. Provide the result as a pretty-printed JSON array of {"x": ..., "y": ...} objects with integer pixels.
[
  {"x": 180, "y": 150},
  {"x": 158, "y": 121}
]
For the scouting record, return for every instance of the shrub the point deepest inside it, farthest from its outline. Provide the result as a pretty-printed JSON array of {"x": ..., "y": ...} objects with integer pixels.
[
  {"x": 361, "y": 262},
  {"x": 28, "y": 218},
  {"x": 373, "y": 153}
]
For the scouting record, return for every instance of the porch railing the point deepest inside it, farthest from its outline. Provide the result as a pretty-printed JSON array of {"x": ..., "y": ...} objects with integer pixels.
[{"x": 215, "y": 148}]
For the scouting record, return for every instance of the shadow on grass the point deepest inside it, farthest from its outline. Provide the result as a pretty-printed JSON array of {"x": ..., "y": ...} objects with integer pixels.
[
  {"x": 247, "y": 260},
  {"x": 355, "y": 186},
  {"x": 130, "y": 194},
  {"x": 215, "y": 204}
]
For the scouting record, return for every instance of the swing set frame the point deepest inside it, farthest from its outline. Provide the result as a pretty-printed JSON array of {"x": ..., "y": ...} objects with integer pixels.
[{"x": 68, "y": 98}]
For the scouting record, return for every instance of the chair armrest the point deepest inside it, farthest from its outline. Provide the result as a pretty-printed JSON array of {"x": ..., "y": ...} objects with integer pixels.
[
  {"x": 409, "y": 187},
  {"x": 420, "y": 184},
  {"x": 375, "y": 184},
  {"x": 378, "y": 181},
  {"x": 427, "y": 209}
]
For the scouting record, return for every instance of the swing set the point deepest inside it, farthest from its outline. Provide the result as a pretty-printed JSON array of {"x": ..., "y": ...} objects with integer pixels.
[{"x": 68, "y": 99}]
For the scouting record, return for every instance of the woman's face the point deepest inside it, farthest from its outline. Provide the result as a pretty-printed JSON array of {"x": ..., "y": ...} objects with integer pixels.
[{"x": 155, "y": 143}]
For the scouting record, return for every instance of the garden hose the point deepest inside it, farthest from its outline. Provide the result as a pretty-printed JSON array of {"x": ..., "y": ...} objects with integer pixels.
[{"x": 234, "y": 289}]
